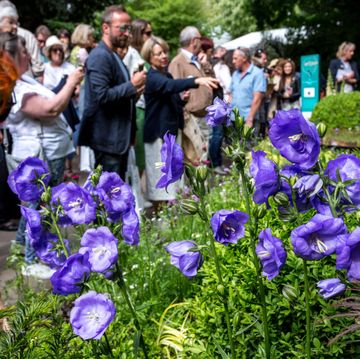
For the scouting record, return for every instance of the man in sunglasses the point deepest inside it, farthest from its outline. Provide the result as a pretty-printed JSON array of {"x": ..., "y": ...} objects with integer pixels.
[{"x": 108, "y": 124}]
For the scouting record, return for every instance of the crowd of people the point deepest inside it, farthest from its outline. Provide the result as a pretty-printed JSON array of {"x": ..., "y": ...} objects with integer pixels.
[{"x": 69, "y": 94}]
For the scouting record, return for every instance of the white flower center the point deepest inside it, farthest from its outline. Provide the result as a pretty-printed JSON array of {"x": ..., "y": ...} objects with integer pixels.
[
  {"x": 100, "y": 250},
  {"x": 264, "y": 254},
  {"x": 115, "y": 190},
  {"x": 93, "y": 316},
  {"x": 159, "y": 165},
  {"x": 78, "y": 202}
]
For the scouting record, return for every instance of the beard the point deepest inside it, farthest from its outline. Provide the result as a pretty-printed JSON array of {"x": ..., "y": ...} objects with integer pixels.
[{"x": 119, "y": 41}]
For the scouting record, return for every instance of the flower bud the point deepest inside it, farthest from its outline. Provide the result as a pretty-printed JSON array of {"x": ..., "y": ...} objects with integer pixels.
[
  {"x": 261, "y": 211},
  {"x": 322, "y": 128},
  {"x": 292, "y": 181},
  {"x": 201, "y": 173},
  {"x": 289, "y": 292},
  {"x": 189, "y": 206},
  {"x": 46, "y": 197},
  {"x": 281, "y": 199}
]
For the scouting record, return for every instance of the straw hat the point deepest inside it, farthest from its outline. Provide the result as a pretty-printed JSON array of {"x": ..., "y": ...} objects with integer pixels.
[
  {"x": 50, "y": 42},
  {"x": 273, "y": 63}
]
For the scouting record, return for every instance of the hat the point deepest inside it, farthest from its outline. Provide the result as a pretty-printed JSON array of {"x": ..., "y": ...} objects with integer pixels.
[
  {"x": 50, "y": 42},
  {"x": 273, "y": 63}
]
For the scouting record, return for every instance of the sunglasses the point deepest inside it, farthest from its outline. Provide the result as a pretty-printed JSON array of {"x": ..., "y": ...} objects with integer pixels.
[
  {"x": 123, "y": 28},
  {"x": 147, "y": 33}
]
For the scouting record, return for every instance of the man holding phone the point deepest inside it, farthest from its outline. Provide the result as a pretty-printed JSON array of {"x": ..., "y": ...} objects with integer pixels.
[{"x": 108, "y": 125}]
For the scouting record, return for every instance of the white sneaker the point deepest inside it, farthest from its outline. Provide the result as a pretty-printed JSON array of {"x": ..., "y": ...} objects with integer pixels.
[
  {"x": 218, "y": 170},
  {"x": 37, "y": 270}
]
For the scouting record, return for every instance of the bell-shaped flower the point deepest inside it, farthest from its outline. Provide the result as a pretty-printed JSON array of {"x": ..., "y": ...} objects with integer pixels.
[
  {"x": 331, "y": 287},
  {"x": 348, "y": 168},
  {"x": 77, "y": 204},
  {"x": 172, "y": 158},
  {"x": 318, "y": 238},
  {"x": 101, "y": 245},
  {"x": 228, "y": 226},
  {"x": 265, "y": 174},
  {"x": 69, "y": 278},
  {"x": 91, "y": 315},
  {"x": 186, "y": 261},
  {"x": 295, "y": 137},
  {"x": 271, "y": 253},
  {"x": 219, "y": 113},
  {"x": 348, "y": 255},
  {"x": 115, "y": 194},
  {"x": 131, "y": 227},
  {"x": 24, "y": 180},
  {"x": 46, "y": 250}
]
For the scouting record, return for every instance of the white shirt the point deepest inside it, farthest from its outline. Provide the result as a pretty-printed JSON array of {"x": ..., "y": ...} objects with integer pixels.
[
  {"x": 222, "y": 73},
  {"x": 54, "y": 74},
  {"x": 29, "y": 135},
  {"x": 189, "y": 55}
]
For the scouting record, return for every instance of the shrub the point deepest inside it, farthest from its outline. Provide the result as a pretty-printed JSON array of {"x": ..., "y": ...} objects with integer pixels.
[{"x": 340, "y": 111}]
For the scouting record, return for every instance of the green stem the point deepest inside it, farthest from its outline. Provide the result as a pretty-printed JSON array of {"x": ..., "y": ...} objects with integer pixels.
[
  {"x": 58, "y": 233},
  {"x": 256, "y": 263},
  {"x": 126, "y": 296},
  {"x": 225, "y": 302},
  {"x": 308, "y": 313},
  {"x": 108, "y": 345}
]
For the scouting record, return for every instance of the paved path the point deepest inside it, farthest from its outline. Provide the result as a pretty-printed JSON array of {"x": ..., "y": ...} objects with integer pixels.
[{"x": 5, "y": 273}]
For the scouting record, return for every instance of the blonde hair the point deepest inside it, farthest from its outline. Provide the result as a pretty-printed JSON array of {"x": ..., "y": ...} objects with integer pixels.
[
  {"x": 81, "y": 35},
  {"x": 343, "y": 47},
  {"x": 149, "y": 44}
]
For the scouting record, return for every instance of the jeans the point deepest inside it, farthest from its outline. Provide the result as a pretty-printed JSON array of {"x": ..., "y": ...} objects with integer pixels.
[
  {"x": 111, "y": 162},
  {"x": 215, "y": 146},
  {"x": 56, "y": 168}
]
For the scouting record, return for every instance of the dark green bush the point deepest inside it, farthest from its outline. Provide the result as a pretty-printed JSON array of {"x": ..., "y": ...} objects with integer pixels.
[{"x": 340, "y": 111}]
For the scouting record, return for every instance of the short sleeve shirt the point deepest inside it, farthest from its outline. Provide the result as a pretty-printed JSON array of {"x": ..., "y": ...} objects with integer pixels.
[{"x": 244, "y": 86}]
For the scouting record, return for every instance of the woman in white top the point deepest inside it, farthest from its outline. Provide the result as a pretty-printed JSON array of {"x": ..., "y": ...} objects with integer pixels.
[
  {"x": 57, "y": 67},
  {"x": 36, "y": 121}
]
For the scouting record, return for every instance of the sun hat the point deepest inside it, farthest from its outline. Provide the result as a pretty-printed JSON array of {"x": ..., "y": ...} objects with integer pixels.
[{"x": 50, "y": 42}]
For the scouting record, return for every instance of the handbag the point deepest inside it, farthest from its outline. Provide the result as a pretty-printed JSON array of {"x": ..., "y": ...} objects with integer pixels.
[
  {"x": 194, "y": 145},
  {"x": 12, "y": 162}
]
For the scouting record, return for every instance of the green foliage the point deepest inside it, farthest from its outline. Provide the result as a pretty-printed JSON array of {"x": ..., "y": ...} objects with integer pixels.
[
  {"x": 169, "y": 17},
  {"x": 340, "y": 111}
]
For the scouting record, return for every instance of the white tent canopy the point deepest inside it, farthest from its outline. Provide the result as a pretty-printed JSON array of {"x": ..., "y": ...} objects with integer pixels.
[{"x": 254, "y": 38}]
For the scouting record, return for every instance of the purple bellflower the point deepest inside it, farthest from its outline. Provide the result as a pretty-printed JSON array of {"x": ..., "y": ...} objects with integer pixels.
[
  {"x": 131, "y": 227},
  {"x": 101, "y": 245},
  {"x": 187, "y": 262},
  {"x": 91, "y": 315},
  {"x": 172, "y": 157},
  {"x": 228, "y": 226},
  {"x": 219, "y": 113},
  {"x": 331, "y": 287},
  {"x": 68, "y": 279},
  {"x": 47, "y": 253},
  {"x": 296, "y": 138},
  {"x": 265, "y": 174},
  {"x": 348, "y": 167},
  {"x": 33, "y": 221},
  {"x": 348, "y": 255},
  {"x": 318, "y": 238},
  {"x": 308, "y": 185},
  {"x": 115, "y": 194},
  {"x": 270, "y": 250},
  {"x": 23, "y": 181},
  {"x": 77, "y": 204}
]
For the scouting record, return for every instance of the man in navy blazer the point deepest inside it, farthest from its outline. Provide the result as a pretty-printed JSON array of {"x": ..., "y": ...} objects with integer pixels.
[{"x": 108, "y": 123}]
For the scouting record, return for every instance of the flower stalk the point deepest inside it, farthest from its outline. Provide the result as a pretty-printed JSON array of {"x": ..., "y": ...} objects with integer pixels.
[
  {"x": 125, "y": 293},
  {"x": 253, "y": 230}
]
